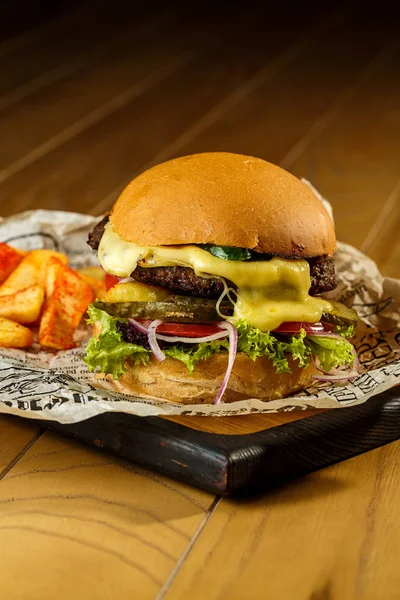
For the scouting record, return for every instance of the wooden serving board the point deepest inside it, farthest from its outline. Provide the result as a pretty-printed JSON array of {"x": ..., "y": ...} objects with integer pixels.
[{"x": 244, "y": 454}]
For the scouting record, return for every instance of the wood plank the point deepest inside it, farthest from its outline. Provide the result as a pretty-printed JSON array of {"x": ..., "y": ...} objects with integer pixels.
[
  {"x": 382, "y": 242},
  {"x": 111, "y": 69},
  {"x": 271, "y": 121},
  {"x": 68, "y": 36},
  {"x": 93, "y": 164},
  {"x": 331, "y": 534},
  {"x": 84, "y": 83},
  {"x": 110, "y": 528},
  {"x": 354, "y": 163},
  {"x": 241, "y": 424},
  {"x": 16, "y": 436},
  {"x": 99, "y": 46}
]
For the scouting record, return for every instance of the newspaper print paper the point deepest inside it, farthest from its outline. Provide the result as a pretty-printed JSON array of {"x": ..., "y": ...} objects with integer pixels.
[{"x": 43, "y": 385}]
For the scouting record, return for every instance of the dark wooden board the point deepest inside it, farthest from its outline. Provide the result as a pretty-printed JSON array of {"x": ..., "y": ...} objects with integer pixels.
[{"x": 244, "y": 463}]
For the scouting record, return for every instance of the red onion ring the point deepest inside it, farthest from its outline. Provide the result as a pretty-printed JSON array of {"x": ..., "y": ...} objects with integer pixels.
[
  {"x": 192, "y": 340},
  {"x": 151, "y": 335},
  {"x": 349, "y": 376},
  {"x": 233, "y": 337},
  {"x": 138, "y": 325}
]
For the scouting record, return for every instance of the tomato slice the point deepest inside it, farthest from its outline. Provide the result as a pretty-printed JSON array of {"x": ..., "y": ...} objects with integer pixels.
[
  {"x": 202, "y": 330},
  {"x": 111, "y": 280},
  {"x": 296, "y": 326},
  {"x": 185, "y": 329}
]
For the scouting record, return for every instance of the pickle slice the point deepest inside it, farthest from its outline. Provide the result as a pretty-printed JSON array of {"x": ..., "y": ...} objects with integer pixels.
[
  {"x": 180, "y": 309},
  {"x": 340, "y": 315}
]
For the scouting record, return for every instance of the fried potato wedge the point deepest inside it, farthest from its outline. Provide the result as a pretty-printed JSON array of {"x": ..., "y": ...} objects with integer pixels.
[
  {"x": 136, "y": 292},
  {"x": 23, "y": 306},
  {"x": 53, "y": 270},
  {"x": 14, "y": 335},
  {"x": 9, "y": 260},
  {"x": 30, "y": 271},
  {"x": 98, "y": 286},
  {"x": 55, "y": 330},
  {"x": 68, "y": 297}
]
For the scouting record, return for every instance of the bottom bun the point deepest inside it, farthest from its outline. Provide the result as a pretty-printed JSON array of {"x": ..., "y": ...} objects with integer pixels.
[{"x": 170, "y": 380}]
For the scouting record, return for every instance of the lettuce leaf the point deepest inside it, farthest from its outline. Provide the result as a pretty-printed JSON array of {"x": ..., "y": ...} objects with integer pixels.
[
  {"x": 256, "y": 343},
  {"x": 331, "y": 352},
  {"x": 190, "y": 356},
  {"x": 109, "y": 352},
  {"x": 346, "y": 331}
]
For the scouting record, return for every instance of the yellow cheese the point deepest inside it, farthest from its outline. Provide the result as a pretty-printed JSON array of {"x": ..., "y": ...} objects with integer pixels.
[{"x": 269, "y": 292}]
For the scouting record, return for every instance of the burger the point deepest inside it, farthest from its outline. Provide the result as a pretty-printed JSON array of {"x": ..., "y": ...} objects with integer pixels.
[{"x": 216, "y": 265}]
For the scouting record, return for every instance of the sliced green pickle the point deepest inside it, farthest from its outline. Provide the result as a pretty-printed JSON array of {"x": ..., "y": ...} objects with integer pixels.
[
  {"x": 180, "y": 309},
  {"x": 341, "y": 315}
]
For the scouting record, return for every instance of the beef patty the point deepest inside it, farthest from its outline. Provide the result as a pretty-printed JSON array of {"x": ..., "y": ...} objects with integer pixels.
[
  {"x": 183, "y": 280},
  {"x": 97, "y": 233}
]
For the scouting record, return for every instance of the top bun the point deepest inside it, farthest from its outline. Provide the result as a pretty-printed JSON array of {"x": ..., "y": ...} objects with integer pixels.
[{"x": 224, "y": 199}]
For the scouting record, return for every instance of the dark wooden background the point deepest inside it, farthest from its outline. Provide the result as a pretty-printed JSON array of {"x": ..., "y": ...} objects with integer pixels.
[{"x": 90, "y": 94}]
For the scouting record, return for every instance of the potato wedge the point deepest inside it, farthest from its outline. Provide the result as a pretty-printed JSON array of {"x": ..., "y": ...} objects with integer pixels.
[
  {"x": 136, "y": 292},
  {"x": 98, "y": 286},
  {"x": 68, "y": 297},
  {"x": 55, "y": 331},
  {"x": 13, "y": 335},
  {"x": 30, "y": 271},
  {"x": 24, "y": 306},
  {"x": 53, "y": 269},
  {"x": 9, "y": 260}
]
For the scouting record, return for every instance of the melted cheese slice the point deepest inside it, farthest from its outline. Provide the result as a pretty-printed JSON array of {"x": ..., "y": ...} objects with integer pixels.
[{"x": 268, "y": 292}]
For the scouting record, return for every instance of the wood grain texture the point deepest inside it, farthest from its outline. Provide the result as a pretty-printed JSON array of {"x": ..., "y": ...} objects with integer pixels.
[
  {"x": 59, "y": 39},
  {"x": 239, "y": 425},
  {"x": 332, "y": 534},
  {"x": 93, "y": 164},
  {"x": 382, "y": 242},
  {"x": 302, "y": 93},
  {"x": 16, "y": 436},
  {"x": 354, "y": 163},
  {"x": 91, "y": 82},
  {"x": 79, "y": 95},
  {"x": 117, "y": 528}
]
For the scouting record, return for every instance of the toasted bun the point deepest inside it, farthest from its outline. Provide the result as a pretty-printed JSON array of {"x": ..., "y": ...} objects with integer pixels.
[
  {"x": 170, "y": 380},
  {"x": 224, "y": 199}
]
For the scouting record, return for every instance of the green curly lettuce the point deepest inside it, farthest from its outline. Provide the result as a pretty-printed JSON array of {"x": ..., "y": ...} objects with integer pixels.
[
  {"x": 190, "y": 356},
  {"x": 109, "y": 352},
  {"x": 346, "y": 331},
  {"x": 331, "y": 352},
  {"x": 256, "y": 343}
]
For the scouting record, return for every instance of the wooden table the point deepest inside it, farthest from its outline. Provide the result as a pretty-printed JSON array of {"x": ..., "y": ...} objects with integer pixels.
[{"x": 88, "y": 99}]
